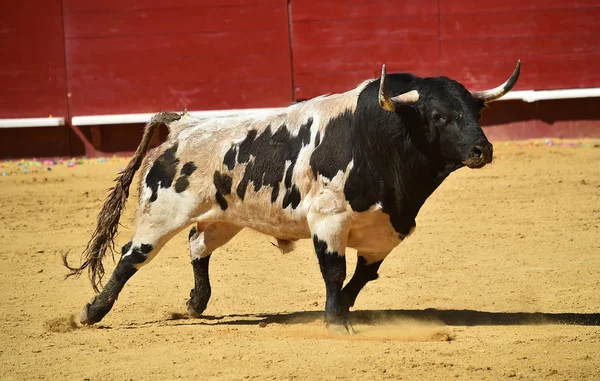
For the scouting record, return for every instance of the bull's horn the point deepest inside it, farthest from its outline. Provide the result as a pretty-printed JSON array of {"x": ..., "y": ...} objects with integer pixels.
[
  {"x": 384, "y": 98},
  {"x": 498, "y": 92},
  {"x": 389, "y": 104}
]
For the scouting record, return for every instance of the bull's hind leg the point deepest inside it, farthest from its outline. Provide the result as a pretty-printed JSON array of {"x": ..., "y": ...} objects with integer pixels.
[
  {"x": 367, "y": 266},
  {"x": 203, "y": 241},
  {"x": 151, "y": 235}
]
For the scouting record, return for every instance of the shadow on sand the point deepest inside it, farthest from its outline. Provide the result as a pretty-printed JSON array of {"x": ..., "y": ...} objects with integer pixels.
[{"x": 374, "y": 317}]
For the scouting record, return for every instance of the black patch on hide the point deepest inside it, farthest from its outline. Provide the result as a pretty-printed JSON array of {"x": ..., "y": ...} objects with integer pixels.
[
  {"x": 334, "y": 153},
  {"x": 223, "y": 184},
  {"x": 270, "y": 151},
  {"x": 162, "y": 172}
]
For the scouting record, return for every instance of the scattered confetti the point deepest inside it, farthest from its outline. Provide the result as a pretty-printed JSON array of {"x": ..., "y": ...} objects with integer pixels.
[{"x": 36, "y": 165}]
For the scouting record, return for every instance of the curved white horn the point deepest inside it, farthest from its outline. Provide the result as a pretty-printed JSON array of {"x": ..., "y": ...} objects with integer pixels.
[
  {"x": 408, "y": 98},
  {"x": 497, "y": 92}
]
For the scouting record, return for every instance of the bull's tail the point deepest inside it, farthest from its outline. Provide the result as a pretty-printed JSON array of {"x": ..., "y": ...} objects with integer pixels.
[{"x": 108, "y": 219}]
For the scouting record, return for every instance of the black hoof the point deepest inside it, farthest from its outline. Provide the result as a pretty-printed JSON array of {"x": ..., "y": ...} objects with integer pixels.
[
  {"x": 84, "y": 318},
  {"x": 341, "y": 328},
  {"x": 94, "y": 311},
  {"x": 339, "y": 323},
  {"x": 197, "y": 305}
]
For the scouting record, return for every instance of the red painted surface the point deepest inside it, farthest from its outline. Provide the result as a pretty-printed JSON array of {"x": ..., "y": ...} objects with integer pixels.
[
  {"x": 556, "y": 41},
  {"x": 133, "y": 56},
  {"x": 338, "y": 45},
  {"x": 566, "y": 118},
  {"x": 468, "y": 7},
  {"x": 35, "y": 142},
  {"x": 32, "y": 60},
  {"x": 335, "y": 44}
]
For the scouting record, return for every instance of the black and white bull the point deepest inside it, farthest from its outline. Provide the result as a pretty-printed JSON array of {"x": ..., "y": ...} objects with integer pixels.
[{"x": 347, "y": 170}]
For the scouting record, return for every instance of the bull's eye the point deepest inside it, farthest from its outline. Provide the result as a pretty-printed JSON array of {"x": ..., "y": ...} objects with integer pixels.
[{"x": 438, "y": 118}]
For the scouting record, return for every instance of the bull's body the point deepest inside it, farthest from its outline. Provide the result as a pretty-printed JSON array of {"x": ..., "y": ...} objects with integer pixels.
[
  {"x": 268, "y": 172},
  {"x": 347, "y": 170}
]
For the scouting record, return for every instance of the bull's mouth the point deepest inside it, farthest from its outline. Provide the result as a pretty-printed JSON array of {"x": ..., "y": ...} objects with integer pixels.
[
  {"x": 475, "y": 161},
  {"x": 479, "y": 156}
]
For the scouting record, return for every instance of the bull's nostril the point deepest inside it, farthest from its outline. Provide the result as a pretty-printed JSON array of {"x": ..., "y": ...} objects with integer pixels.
[{"x": 478, "y": 151}]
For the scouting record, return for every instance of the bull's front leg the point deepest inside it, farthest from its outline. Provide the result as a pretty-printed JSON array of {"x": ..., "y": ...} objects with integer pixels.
[
  {"x": 367, "y": 265},
  {"x": 329, "y": 237}
]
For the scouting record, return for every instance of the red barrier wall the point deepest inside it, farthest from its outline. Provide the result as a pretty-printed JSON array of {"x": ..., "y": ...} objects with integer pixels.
[
  {"x": 82, "y": 57},
  {"x": 135, "y": 56},
  {"x": 32, "y": 60},
  {"x": 557, "y": 41},
  {"x": 32, "y": 76},
  {"x": 336, "y": 47}
]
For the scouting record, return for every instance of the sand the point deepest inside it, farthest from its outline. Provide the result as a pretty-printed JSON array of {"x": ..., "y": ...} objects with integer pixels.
[{"x": 501, "y": 279}]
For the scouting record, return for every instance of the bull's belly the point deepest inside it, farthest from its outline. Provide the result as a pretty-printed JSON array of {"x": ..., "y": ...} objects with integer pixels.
[
  {"x": 291, "y": 231},
  {"x": 284, "y": 224},
  {"x": 369, "y": 232}
]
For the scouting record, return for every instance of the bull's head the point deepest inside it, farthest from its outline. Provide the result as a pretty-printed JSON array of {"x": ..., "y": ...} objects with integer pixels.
[{"x": 449, "y": 115}]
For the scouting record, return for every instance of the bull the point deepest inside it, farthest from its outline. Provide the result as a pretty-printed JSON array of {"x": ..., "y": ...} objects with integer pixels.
[{"x": 345, "y": 170}]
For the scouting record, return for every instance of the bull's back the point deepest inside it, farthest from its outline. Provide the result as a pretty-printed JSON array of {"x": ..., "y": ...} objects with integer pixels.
[
  {"x": 257, "y": 171},
  {"x": 251, "y": 173}
]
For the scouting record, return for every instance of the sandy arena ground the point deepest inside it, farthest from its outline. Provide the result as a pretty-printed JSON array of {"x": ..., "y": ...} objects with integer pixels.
[{"x": 501, "y": 279}]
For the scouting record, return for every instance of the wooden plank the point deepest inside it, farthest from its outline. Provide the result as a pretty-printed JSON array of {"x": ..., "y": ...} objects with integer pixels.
[
  {"x": 526, "y": 48},
  {"x": 31, "y": 33},
  {"x": 218, "y": 47},
  {"x": 32, "y": 71},
  {"x": 574, "y": 72},
  {"x": 33, "y": 92},
  {"x": 549, "y": 22},
  {"x": 24, "y": 102},
  {"x": 36, "y": 50},
  {"x": 32, "y": 122},
  {"x": 31, "y": 17},
  {"x": 46, "y": 77},
  {"x": 397, "y": 56},
  {"x": 313, "y": 84},
  {"x": 134, "y": 84},
  {"x": 133, "y": 56},
  {"x": 541, "y": 130},
  {"x": 175, "y": 21},
  {"x": 197, "y": 69},
  {"x": 360, "y": 32},
  {"x": 34, "y": 142},
  {"x": 123, "y": 98},
  {"x": 72, "y": 6},
  {"x": 556, "y": 41},
  {"x": 310, "y": 10},
  {"x": 482, "y": 6},
  {"x": 561, "y": 118},
  {"x": 325, "y": 62}
]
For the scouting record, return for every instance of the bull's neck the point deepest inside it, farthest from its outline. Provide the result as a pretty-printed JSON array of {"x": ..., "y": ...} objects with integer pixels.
[
  {"x": 400, "y": 171},
  {"x": 408, "y": 184}
]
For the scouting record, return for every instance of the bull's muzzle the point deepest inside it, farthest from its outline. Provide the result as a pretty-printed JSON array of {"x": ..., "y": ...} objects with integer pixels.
[{"x": 480, "y": 155}]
